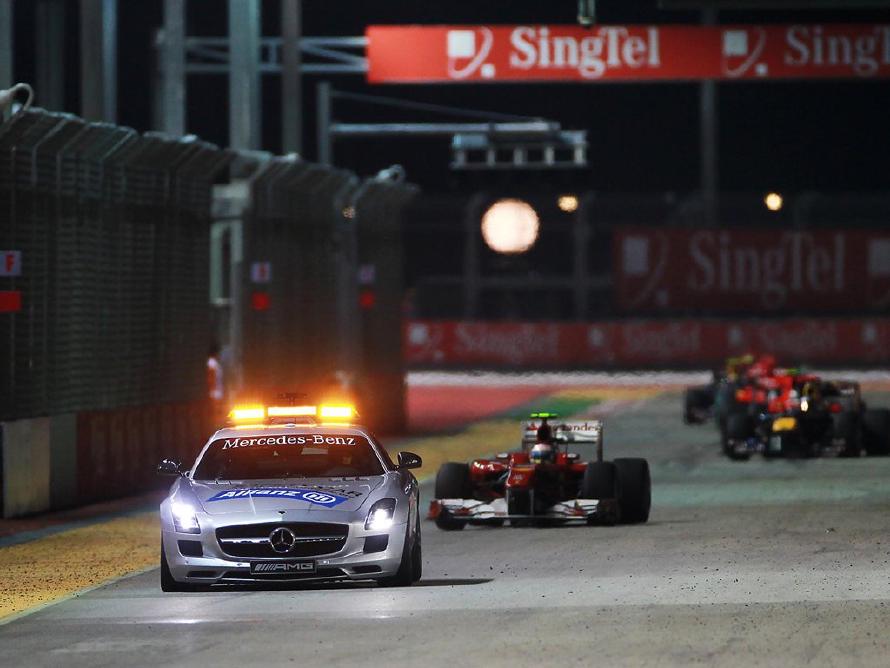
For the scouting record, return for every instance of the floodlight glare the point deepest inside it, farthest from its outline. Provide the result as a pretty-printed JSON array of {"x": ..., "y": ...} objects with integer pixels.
[
  {"x": 773, "y": 201},
  {"x": 567, "y": 203},
  {"x": 510, "y": 226}
]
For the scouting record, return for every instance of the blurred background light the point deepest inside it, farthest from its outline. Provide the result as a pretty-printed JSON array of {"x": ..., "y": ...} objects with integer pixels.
[
  {"x": 568, "y": 203},
  {"x": 510, "y": 226},
  {"x": 773, "y": 201}
]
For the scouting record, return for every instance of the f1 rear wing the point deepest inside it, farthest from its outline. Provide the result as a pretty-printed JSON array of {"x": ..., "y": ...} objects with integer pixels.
[{"x": 566, "y": 431}]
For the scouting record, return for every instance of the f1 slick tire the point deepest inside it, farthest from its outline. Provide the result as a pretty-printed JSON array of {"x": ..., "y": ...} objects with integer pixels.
[
  {"x": 452, "y": 482},
  {"x": 876, "y": 431},
  {"x": 598, "y": 482},
  {"x": 519, "y": 503},
  {"x": 634, "y": 490},
  {"x": 696, "y": 401},
  {"x": 738, "y": 428},
  {"x": 847, "y": 428}
]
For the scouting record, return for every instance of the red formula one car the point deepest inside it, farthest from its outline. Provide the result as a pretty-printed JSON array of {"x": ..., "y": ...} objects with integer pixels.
[{"x": 544, "y": 482}]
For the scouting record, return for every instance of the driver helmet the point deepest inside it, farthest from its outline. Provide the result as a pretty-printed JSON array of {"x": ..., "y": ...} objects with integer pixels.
[{"x": 542, "y": 453}]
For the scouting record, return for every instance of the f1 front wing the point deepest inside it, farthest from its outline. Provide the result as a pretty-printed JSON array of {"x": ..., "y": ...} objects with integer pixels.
[{"x": 471, "y": 510}]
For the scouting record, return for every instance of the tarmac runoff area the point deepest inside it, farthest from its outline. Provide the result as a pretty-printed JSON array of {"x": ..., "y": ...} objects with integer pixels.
[{"x": 759, "y": 563}]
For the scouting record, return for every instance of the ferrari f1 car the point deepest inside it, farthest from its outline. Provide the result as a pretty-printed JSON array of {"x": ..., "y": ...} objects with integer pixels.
[
  {"x": 544, "y": 482},
  {"x": 291, "y": 493}
]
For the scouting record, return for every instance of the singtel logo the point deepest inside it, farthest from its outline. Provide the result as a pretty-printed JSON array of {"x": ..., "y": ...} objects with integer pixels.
[
  {"x": 794, "y": 264},
  {"x": 603, "y": 49},
  {"x": 668, "y": 342},
  {"x": 514, "y": 344},
  {"x": 864, "y": 54}
]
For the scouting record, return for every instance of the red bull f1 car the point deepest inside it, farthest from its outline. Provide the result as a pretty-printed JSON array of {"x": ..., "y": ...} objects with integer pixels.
[{"x": 544, "y": 482}]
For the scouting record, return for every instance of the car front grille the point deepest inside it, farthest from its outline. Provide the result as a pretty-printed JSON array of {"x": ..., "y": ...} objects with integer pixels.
[
  {"x": 252, "y": 541},
  {"x": 320, "y": 574}
]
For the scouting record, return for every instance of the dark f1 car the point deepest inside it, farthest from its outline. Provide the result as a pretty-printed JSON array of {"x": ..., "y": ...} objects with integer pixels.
[
  {"x": 716, "y": 399},
  {"x": 805, "y": 416},
  {"x": 544, "y": 482}
]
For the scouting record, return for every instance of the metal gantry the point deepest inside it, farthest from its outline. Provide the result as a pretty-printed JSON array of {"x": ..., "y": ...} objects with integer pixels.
[
  {"x": 490, "y": 141},
  {"x": 6, "y": 35},
  {"x": 244, "y": 55},
  {"x": 321, "y": 55},
  {"x": 98, "y": 60}
]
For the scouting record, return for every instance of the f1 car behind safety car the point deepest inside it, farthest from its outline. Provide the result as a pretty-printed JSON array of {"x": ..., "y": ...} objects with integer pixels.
[
  {"x": 291, "y": 493},
  {"x": 544, "y": 482}
]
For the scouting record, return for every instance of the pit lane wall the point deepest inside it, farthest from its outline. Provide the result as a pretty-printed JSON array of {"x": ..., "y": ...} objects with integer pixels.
[{"x": 644, "y": 343}]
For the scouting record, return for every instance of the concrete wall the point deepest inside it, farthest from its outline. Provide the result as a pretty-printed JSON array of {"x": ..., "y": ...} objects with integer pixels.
[
  {"x": 25, "y": 448},
  {"x": 63, "y": 461}
]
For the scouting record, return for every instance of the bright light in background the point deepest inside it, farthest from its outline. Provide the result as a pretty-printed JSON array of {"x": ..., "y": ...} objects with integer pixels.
[
  {"x": 773, "y": 201},
  {"x": 568, "y": 203},
  {"x": 510, "y": 226}
]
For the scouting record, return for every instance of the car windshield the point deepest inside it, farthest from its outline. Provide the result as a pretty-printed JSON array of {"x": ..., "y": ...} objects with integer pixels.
[{"x": 288, "y": 456}]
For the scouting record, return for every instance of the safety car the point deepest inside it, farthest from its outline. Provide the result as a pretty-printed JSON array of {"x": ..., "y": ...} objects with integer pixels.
[{"x": 291, "y": 494}]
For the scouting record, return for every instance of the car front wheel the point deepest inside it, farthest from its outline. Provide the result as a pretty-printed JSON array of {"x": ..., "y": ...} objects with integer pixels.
[
  {"x": 168, "y": 583},
  {"x": 410, "y": 567}
]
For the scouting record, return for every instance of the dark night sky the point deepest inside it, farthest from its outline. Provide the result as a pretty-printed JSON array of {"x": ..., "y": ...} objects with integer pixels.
[{"x": 790, "y": 136}]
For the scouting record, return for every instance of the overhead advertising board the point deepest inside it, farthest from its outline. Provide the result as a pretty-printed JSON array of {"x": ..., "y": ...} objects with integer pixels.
[
  {"x": 630, "y": 53},
  {"x": 742, "y": 271},
  {"x": 643, "y": 342}
]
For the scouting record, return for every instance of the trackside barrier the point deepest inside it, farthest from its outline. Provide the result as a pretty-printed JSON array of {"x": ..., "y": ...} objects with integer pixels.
[
  {"x": 118, "y": 450},
  {"x": 644, "y": 343},
  {"x": 112, "y": 231}
]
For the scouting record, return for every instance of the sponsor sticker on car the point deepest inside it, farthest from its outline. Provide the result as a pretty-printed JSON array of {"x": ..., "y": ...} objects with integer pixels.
[
  {"x": 310, "y": 495},
  {"x": 282, "y": 567}
]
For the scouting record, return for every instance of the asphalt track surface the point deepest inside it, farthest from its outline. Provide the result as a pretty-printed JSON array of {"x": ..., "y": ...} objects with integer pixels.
[{"x": 759, "y": 563}]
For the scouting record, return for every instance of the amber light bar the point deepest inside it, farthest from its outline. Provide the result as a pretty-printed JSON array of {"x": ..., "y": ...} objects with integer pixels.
[{"x": 291, "y": 411}]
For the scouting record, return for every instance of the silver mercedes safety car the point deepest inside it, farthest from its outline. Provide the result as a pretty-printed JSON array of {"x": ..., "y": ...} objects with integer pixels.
[{"x": 287, "y": 494}]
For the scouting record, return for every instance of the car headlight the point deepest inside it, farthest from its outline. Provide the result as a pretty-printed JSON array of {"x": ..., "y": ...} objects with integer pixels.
[
  {"x": 184, "y": 518},
  {"x": 380, "y": 516}
]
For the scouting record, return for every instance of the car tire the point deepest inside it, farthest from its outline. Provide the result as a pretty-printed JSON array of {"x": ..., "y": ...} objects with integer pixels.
[
  {"x": 738, "y": 428},
  {"x": 519, "y": 503},
  {"x": 695, "y": 401},
  {"x": 876, "y": 431},
  {"x": 598, "y": 481},
  {"x": 453, "y": 481},
  {"x": 411, "y": 555},
  {"x": 846, "y": 426},
  {"x": 417, "y": 553},
  {"x": 446, "y": 522},
  {"x": 633, "y": 489},
  {"x": 168, "y": 583}
]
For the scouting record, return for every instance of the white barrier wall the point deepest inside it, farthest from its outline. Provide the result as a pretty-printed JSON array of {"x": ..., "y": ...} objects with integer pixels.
[{"x": 25, "y": 446}]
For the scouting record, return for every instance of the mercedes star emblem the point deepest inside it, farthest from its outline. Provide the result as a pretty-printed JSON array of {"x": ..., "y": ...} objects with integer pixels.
[{"x": 282, "y": 540}]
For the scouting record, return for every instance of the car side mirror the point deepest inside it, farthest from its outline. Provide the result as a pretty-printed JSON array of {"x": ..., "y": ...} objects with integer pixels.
[
  {"x": 503, "y": 455},
  {"x": 169, "y": 467},
  {"x": 408, "y": 460},
  {"x": 572, "y": 456}
]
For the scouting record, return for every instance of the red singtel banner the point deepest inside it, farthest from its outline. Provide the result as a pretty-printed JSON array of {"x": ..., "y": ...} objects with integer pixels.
[
  {"x": 643, "y": 343},
  {"x": 462, "y": 54},
  {"x": 723, "y": 271}
]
